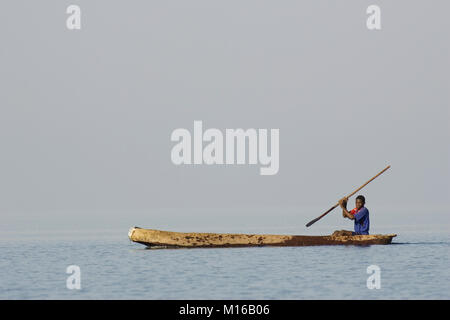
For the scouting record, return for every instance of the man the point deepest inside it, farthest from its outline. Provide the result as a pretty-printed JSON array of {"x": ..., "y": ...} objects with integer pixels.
[{"x": 360, "y": 214}]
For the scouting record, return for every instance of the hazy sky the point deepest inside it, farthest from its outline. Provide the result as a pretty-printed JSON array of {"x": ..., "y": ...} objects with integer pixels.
[{"x": 86, "y": 115}]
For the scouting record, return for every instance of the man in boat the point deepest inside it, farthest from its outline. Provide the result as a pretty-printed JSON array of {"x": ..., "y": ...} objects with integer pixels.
[{"x": 360, "y": 214}]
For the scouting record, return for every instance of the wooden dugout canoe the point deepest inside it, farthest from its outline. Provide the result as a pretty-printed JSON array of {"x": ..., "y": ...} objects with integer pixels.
[{"x": 168, "y": 239}]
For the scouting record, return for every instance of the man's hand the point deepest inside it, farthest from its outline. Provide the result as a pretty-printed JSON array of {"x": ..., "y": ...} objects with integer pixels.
[{"x": 343, "y": 202}]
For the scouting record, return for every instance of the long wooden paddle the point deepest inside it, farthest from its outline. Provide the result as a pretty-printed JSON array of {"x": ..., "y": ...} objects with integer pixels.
[{"x": 336, "y": 205}]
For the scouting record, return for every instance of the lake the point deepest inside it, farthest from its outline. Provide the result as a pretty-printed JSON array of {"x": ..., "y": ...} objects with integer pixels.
[{"x": 33, "y": 266}]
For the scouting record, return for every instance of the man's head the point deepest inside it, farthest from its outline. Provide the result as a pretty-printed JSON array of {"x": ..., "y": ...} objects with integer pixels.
[{"x": 360, "y": 201}]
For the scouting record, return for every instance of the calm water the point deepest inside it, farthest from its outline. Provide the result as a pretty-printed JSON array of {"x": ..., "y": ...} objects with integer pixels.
[{"x": 415, "y": 267}]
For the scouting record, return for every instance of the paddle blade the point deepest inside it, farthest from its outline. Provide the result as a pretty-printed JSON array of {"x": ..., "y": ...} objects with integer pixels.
[
  {"x": 321, "y": 216},
  {"x": 313, "y": 221}
]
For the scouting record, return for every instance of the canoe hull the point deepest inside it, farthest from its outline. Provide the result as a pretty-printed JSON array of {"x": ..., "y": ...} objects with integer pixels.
[{"x": 168, "y": 239}]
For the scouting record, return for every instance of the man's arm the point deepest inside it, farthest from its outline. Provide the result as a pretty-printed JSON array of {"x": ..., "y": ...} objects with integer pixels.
[
  {"x": 343, "y": 205},
  {"x": 345, "y": 213}
]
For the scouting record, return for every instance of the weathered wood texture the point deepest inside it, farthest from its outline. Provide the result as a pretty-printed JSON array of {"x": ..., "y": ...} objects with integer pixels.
[{"x": 167, "y": 239}]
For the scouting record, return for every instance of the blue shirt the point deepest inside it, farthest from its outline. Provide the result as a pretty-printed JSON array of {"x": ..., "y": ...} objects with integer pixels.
[{"x": 362, "y": 221}]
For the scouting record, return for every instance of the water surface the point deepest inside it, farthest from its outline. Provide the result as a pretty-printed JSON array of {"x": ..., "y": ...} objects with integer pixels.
[{"x": 415, "y": 266}]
